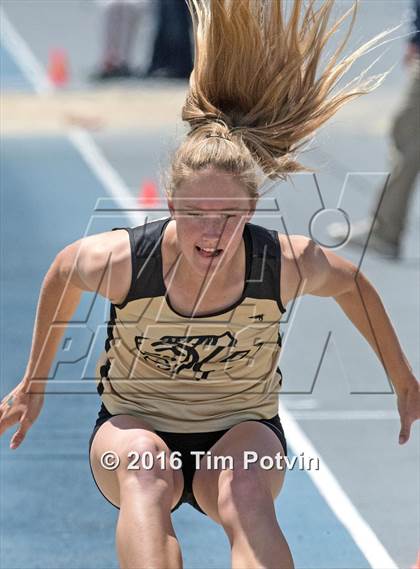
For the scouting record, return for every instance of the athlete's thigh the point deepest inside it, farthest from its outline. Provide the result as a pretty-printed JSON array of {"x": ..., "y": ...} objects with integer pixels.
[
  {"x": 120, "y": 435},
  {"x": 246, "y": 436}
]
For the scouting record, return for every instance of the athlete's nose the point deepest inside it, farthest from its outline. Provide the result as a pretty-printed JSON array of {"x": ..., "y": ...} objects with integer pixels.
[{"x": 213, "y": 227}]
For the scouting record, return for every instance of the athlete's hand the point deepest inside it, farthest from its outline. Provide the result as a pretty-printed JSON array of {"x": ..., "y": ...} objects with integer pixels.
[
  {"x": 21, "y": 407},
  {"x": 408, "y": 402}
]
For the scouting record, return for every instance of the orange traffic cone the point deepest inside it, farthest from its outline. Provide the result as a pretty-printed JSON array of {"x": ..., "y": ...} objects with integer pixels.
[
  {"x": 417, "y": 565},
  {"x": 149, "y": 195},
  {"x": 58, "y": 67}
]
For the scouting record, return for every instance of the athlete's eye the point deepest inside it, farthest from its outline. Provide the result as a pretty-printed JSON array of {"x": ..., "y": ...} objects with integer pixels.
[{"x": 196, "y": 214}]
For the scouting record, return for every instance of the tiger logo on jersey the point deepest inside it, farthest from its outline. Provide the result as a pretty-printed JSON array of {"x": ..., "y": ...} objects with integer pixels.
[{"x": 200, "y": 354}]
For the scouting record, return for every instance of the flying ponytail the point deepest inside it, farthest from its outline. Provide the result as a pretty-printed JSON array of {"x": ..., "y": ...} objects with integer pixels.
[{"x": 256, "y": 94}]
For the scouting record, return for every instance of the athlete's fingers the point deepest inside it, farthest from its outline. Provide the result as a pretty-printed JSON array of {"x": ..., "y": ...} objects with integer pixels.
[
  {"x": 8, "y": 420},
  {"x": 20, "y": 434},
  {"x": 405, "y": 429}
]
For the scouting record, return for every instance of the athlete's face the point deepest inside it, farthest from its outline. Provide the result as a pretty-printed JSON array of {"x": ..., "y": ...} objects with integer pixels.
[{"x": 210, "y": 210}]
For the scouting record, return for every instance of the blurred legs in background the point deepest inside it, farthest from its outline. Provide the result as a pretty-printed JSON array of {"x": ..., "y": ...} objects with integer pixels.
[
  {"x": 121, "y": 21},
  {"x": 172, "y": 53},
  {"x": 391, "y": 210}
]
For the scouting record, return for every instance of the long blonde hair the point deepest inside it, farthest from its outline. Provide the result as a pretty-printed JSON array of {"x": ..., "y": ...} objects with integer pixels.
[{"x": 255, "y": 97}]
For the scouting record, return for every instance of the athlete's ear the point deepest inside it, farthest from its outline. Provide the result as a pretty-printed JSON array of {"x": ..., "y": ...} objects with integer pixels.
[
  {"x": 171, "y": 207},
  {"x": 250, "y": 214}
]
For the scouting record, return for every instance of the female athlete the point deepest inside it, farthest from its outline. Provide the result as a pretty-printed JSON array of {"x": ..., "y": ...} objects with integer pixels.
[{"x": 190, "y": 361}]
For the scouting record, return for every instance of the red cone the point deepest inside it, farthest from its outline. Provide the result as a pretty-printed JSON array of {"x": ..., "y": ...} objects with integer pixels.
[
  {"x": 149, "y": 195},
  {"x": 58, "y": 67}
]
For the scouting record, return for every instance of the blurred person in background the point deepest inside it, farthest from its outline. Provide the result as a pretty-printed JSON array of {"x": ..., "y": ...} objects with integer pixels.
[
  {"x": 391, "y": 205},
  {"x": 172, "y": 52},
  {"x": 121, "y": 21}
]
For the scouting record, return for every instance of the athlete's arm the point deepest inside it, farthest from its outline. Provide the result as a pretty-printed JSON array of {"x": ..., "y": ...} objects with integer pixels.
[
  {"x": 99, "y": 263},
  {"x": 308, "y": 268}
]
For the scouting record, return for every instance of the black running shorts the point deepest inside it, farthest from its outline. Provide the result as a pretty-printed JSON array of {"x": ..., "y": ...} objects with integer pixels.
[{"x": 185, "y": 443}]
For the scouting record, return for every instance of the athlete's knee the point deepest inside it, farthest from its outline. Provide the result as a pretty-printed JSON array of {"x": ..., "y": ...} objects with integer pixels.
[
  {"x": 243, "y": 495},
  {"x": 242, "y": 489},
  {"x": 144, "y": 461}
]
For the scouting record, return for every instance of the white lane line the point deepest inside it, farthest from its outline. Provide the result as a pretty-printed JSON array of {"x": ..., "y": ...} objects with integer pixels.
[
  {"x": 336, "y": 498},
  {"x": 23, "y": 56},
  {"x": 323, "y": 479},
  {"x": 346, "y": 415},
  {"x": 301, "y": 404},
  {"x": 107, "y": 175}
]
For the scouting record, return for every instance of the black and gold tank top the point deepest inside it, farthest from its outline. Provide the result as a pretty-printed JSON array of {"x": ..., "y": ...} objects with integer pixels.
[{"x": 201, "y": 373}]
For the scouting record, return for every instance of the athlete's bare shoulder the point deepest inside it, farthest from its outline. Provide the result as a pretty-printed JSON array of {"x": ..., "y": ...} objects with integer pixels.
[
  {"x": 309, "y": 268},
  {"x": 295, "y": 249},
  {"x": 99, "y": 263}
]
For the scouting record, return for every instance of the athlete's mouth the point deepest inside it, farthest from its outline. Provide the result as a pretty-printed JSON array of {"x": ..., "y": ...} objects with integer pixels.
[{"x": 207, "y": 252}]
